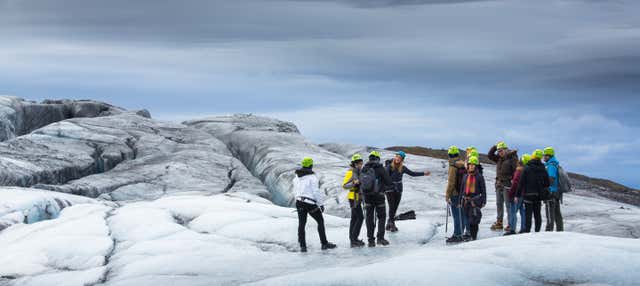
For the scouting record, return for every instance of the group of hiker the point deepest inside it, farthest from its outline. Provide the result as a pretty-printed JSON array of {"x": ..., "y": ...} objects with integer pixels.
[{"x": 522, "y": 184}]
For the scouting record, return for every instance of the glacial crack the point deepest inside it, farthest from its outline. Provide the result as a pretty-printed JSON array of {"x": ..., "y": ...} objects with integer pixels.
[{"x": 114, "y": 245}]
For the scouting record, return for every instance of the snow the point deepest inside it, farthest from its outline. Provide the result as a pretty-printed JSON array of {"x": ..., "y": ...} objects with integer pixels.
[
  {"x": 532, "y": 259},
  {"x": 69, "y": 250},
  {"x": 208, "y": 202}
]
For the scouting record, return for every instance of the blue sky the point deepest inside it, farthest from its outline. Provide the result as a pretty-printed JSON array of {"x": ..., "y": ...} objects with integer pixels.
[{"x": 382, "y": 72}]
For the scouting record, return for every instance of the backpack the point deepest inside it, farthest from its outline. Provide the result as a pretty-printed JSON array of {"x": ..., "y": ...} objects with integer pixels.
[
  {"x": 564, "y": 184},
  {"x": 459, "y": 174},
  {"x": 368, "y": 180}
]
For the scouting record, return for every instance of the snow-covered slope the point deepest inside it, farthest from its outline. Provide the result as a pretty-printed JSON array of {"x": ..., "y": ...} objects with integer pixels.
[
  {"x": 208, "y": 203},
  {"x": 123, "y": 157}
]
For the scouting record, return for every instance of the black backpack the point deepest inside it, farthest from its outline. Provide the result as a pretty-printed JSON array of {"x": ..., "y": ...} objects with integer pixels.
[{"x": 369, "y": 181}]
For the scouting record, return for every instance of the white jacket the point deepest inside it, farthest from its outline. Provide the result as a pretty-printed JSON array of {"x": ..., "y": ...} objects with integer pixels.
[{"x": 309, "y": 187}]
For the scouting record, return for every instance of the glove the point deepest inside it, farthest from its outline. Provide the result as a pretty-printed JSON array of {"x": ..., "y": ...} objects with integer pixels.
[{"x": 322, "y": 208}]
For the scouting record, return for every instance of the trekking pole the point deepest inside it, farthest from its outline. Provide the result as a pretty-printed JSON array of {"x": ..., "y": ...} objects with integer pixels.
[
  {"x": 460, "y": 214},
  {"x": 446, "y": 224}
]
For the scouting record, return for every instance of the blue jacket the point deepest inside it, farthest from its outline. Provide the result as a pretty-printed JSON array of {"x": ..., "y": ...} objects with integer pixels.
[{"x": 552, "y": 170}]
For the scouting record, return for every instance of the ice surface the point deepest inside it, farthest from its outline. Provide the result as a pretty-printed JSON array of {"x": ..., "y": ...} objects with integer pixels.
[
  {"x": 20, "y": 205},
  {"x": 207, "y": 203},
  {"x": 69, "y": 250},
  {"x": 123, "y": 157}
]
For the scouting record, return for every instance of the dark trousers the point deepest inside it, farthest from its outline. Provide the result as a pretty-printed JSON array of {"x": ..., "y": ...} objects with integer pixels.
[
  {"x": 554, "y": 215},
  {"x": 357, "y": 218},
  {"x": 474, "y": 231},
  {"x": 315, "y": 212},
  {"x": 532, "y": 210},
  {"x": 394, "y": 202},
  {"x": 375, "y": 206}
]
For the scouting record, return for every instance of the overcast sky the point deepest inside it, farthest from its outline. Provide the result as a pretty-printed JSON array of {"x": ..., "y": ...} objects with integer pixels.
[{"x": 382, "y": 72}]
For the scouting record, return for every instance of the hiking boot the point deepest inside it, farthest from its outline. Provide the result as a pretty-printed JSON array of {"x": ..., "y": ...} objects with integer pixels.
[
  {"x": 383, "y": 242},
  {"x": 392, "y": 227},
  {"x": 328, "y": 245},
  {"x": 496, "y": 226},
  {"x": 388, "y": 227},
  {"x": 506, "y": 233},
  {"x": 357, "y": 243},
  {"x": 507, "y": 229},
  {"x": 466, "y": 237},
  {"x": 454, "y": 239},
  {"x": 303, "y": 249},
  {"x": 372, "y": 243}
]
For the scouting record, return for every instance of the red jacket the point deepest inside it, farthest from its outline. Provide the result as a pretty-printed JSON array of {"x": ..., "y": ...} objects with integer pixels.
[{"x": 514, "y": 184}]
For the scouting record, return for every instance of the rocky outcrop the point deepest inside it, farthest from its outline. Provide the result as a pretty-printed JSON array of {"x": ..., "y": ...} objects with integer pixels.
[
  {"x": 20, "y": 117},
  {"x": 123, "y": 156}
]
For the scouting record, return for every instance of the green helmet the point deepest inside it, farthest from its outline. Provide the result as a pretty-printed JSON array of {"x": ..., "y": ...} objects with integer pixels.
[
  {"x": 356, "y": 157},
  {"x": 525, "y": 159},
  {"x": 474, "y": 153},
  {"x": 453, "y": 150},
  {"x": 471, "y": 148},
  {"x": 537, "y": 154},
  {"x": 502, "y": 145},
  {"x": 474, "y": 160},
  {"x": 549, "y": 151},
  {"x": 375, "y": 154},
  {"x": 307, "y": 162}
]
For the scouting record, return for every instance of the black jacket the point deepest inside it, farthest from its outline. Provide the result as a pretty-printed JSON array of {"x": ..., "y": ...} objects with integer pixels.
[
  {"x": 381, "y": 174},
  {"x": 396, "y": 176},
  {"x": 534, "y": 182}
]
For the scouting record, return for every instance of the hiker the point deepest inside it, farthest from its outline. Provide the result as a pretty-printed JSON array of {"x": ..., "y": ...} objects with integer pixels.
[
  {"x": 309, "y": 200},
  {"x": 374, "y": 181},
  {"x": 351, "y": 182},
  {"x": 474, "y": 192},
  {"x": 506, "y": 162},
  {"x": 452, "y": 194},
  {"x": 517, "y": 206},
  {"x": 552, "y": 206},
  {"x": 533, "y": 189},
  {"x": 396, "y": 170}
]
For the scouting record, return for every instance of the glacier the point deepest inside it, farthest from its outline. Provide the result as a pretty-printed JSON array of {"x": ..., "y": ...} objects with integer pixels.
[{"x": 119, "y": 198}]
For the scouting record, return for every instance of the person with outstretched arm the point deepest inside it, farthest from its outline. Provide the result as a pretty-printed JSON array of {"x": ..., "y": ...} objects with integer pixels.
[
  {"x": 506, "y": 163},
  {"x": 474, "y": 195},
  {"x": 374, "y": 181},
  {"x": 309, "y": 201},
  {"x": 396, "y": 170},
  {"x": 351, "y": 183}
]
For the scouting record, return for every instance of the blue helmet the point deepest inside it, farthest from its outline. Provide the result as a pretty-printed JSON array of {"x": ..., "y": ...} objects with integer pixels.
[{"x": 402, "y": 154}]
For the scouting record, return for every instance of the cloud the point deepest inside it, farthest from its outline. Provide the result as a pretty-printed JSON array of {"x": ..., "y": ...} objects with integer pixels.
[
  {"x": 585, "y": 142},
  {"x": 391, "y": 3},
  {"x": 463, "y": 73}
]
